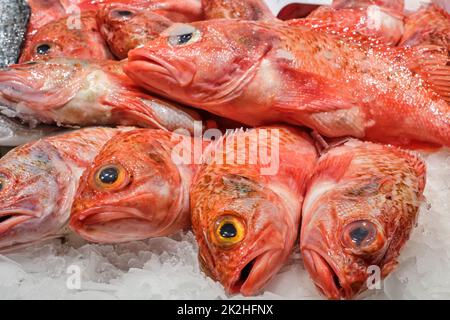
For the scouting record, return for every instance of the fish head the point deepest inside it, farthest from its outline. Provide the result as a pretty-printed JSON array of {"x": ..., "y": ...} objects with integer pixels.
[
  {"x": 41, "y": 84},
  {"x": 69, "y": 37},
  {"x": 202, "y": 62},
  {"x": 353, "y": 230},
  {"x": 34, "y": 185},
  {"x": 242, "y": 230},
  {"x": 133, "y": 190},
  {"x": 126, "y": 26}
]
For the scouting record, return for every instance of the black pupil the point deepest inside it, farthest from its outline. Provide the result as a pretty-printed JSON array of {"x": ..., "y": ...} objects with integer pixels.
[
  {"x": 43, "y": 49},
  {"x": 228, "y": 230},
  {"x": 184, "y": 38},
  {"x": 359, "y": 234},
  {"x": 1, "y": 186},
  {"x": 109, "y": 175},
  {"x": 124, "y": 13}
]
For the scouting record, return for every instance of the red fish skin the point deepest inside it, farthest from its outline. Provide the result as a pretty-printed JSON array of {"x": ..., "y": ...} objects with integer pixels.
[
  {"x": 372, "y": 22},
  {"x": 267, "y": 206},
  {"x": 65, "y": 41},
  {"x": 74, "y": 92},
  {"x": 429, "y": 25},
  {"x": 39, "y": 181},
  {"x": 393, "y": 5},
  {"x": 259, "y": 73},
  {"x": 153, "y": 199},
  {"x": 126, "y": 32},
  {"x": 372, "y": 188},
  {"x": 254, "y": 10}
]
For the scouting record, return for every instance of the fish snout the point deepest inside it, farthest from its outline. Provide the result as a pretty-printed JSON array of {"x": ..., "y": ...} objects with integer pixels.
[
  {"x": 149, "y": 68},
  {"x": 329, "y": 278},
  {"x": 11, "y": 218}
]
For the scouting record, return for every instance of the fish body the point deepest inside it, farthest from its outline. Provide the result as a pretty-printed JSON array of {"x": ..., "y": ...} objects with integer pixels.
[
  {"x": 236, "y": 9},
  {"x": 246, "y": 204},
  {"x": 393, "y": 5},
  {"x": 260, "y": 72},
  {"x": 370, "y": 21},
  {"x": 360, "y": 208},
  {"x": 38, "y": 182},
  {"x": 14, "y": 16},
  {"x": 74, "y": 92},
  {"x": 13, "y": 133},
  {"x": 70, "y": 38},
  {"x": 135, "y": 189}
]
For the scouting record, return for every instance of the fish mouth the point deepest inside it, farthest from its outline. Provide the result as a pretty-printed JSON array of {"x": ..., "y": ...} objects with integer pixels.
[
  {"x": 111, "y": 224},
  {"x": 255, "y": 272},
  {"x": 11, "y": 218},
  {"x": 326, "y": 275},
  {"x": 145, "y": 66}
]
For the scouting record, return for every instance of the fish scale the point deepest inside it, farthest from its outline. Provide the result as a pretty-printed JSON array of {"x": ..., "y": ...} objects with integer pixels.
[{"x": 14, "y": 16}]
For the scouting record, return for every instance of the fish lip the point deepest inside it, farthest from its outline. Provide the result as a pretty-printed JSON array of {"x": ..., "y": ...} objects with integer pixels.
[
  {"x": 258, "y": 257},
  {"x": 336, "y": 287},
  {"x": 17, "y": 216},
  {"x": 155, "y": 64},
  {"x": 91, "y": 216}
]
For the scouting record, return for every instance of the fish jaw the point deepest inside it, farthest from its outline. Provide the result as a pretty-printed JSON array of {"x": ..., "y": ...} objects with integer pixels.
[
  {"x": 326, "y": 276},
  {"x": 163, "y": 74},
  {"x": 11, "y": 218}
]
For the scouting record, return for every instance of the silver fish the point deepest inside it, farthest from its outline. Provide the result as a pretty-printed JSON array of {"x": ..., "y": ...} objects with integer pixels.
[{"x": 14, "y": 16}]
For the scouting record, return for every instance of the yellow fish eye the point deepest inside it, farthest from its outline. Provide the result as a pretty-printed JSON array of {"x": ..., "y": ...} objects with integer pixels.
[
  {"x": 182, "y": 34},
  {"x": 228, "y": 231},
  {"x": 111, "y": 177}
]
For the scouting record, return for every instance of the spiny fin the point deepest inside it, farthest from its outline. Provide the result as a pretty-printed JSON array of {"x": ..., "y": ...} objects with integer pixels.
[{"x": 432, "y": 63}]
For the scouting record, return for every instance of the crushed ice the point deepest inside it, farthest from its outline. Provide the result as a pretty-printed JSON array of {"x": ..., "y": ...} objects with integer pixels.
[{"x": 167, "y": 268}]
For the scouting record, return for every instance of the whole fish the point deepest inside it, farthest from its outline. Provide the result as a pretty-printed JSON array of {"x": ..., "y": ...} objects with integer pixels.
[
  {"x": 429, "y": 25},
  {"x": 236, "y": 9},
  {"x": 268, "y": 72},
  {"x": 14, "y": 15},
  {"x": 360, "y": 208},
  {"x": 38, "y": 182},
  {"x": 135, "y": 188},
  {"x": 13, "y": 133},
  {"x": 246, "y": 204},
  {"x": 66, "y": 38},
  {"x": 74, "y": 92}
]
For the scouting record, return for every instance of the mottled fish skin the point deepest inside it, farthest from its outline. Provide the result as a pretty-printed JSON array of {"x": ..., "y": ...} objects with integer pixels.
[
  {"x": 149, "y": 195},
  {"x": 38, "y": 182},
  {"x": 14, "y": 15},
  {"x": 253, "y": 10},
  {"x": 259, "y": 72},
  {"x": 360, "y": 207},
  {"x": 429, "y": 25},
  {"x": 78, "y": 39},
  {"x": 72, "y": 92},
  {"x": 13, "y": 133},
  {"x": 245, "y": 219}
]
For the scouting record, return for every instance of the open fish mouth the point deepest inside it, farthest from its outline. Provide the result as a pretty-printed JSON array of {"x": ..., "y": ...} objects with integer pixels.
[
  {"x": 255, "y": 272},
  {"x": 326, "y": 276},
  {"x": 142, "y": 63},
  {"x": 11, "y": 218}
]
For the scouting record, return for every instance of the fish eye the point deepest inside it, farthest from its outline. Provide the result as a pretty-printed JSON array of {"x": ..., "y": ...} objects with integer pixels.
[
  {"x": 362, "y": 236},
  {"x": 182, "y": 34},
  {"x": 111, "y": 177},
  {"x": 122, "y": 14},
  {"x": 43, "y": 49},
  {"x": 228, "y": 231}
]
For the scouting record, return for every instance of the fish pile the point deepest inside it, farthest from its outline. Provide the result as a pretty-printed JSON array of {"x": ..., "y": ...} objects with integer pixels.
[{"x": 264, "y": 134}]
